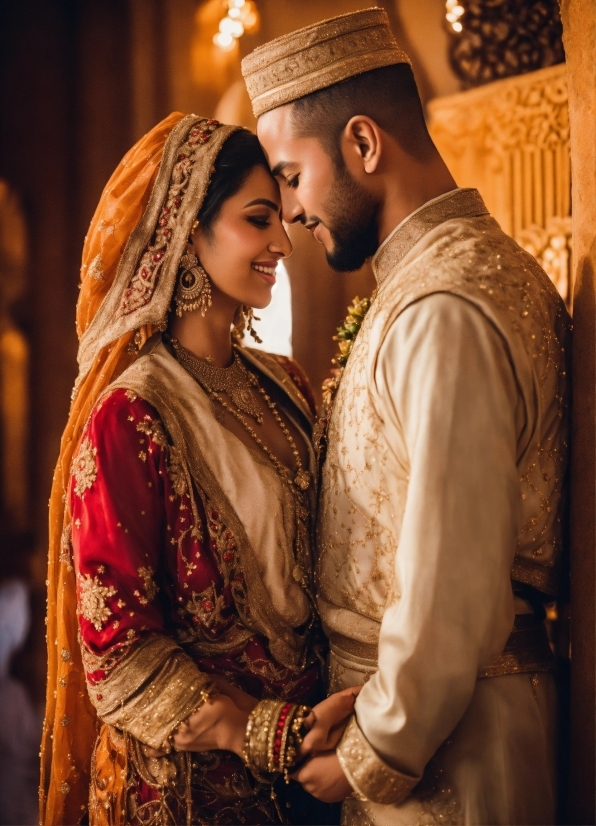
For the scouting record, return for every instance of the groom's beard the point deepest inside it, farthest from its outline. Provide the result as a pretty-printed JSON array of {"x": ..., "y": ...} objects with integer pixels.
[{"x": 352, "y": 223}]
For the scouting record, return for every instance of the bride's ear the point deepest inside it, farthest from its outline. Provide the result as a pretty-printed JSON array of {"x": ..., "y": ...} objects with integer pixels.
[{"x": 363, "y": 140}]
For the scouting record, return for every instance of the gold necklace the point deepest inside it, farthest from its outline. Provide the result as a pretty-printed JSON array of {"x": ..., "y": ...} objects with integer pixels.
[
  {"x": 234, "y": 380},
  {"x": 206, "y": 373}
]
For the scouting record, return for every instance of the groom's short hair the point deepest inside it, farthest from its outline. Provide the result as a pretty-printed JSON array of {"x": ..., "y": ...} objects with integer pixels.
[{"x": 388, "y": 96}]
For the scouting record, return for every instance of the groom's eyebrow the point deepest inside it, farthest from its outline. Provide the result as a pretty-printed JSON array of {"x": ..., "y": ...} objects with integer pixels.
[{"x": 279, "y": 167}]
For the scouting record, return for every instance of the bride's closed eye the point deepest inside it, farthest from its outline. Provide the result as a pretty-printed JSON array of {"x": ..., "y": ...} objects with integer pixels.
[{"x": 261, "y": 221}]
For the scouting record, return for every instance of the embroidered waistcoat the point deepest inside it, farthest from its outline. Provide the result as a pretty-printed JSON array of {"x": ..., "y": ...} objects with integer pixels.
[{"x": 449, "y": 245}]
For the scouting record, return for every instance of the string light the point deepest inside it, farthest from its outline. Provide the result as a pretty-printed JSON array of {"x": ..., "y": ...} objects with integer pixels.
[
  {"x": 242, "y": 16},
  {"x": 453, "y": 12}
]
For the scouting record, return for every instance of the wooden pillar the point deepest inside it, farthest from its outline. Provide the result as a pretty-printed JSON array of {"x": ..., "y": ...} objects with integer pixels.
[{"x": 579, "y": 35}]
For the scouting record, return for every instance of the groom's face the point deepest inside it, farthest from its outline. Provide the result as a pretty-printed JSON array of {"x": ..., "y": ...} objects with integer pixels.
[{"x": 320, "y": 193}]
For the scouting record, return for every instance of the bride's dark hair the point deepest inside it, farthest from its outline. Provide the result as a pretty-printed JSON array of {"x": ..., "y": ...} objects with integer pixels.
[{"x": 240, "y": 154}]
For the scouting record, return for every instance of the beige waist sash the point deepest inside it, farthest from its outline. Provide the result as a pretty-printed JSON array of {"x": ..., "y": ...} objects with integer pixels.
[{"x": 527, "y": 650}]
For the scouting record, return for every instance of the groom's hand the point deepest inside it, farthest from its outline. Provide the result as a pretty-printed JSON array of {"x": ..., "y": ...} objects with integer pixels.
[
  {"x": 322, "y": 776},
  {"x": 327, "y": 721}
]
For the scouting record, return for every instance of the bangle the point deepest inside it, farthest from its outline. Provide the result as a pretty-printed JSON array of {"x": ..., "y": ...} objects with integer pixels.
[{"x": 273, "y": 735}]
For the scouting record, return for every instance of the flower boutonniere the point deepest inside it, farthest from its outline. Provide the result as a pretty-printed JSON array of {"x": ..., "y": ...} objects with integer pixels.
[{"x": 346, "y": 335}]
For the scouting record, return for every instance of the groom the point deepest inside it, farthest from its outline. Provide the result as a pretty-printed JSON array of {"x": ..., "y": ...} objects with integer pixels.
[{"x": 440, "y": 511}]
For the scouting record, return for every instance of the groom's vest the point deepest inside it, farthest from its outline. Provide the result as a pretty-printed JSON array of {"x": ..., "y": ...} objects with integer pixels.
[{"x": 450, "y": 245}]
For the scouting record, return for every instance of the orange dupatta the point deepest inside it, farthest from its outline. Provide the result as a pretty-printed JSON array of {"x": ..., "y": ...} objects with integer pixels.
[{"x": 70, "y": 722}]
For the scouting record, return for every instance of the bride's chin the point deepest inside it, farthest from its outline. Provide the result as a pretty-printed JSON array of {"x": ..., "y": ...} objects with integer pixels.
[{"x": 260, "y": 300}]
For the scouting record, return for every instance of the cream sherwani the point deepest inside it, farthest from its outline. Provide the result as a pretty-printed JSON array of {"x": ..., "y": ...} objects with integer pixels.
[{"x": 442, "y": 484}]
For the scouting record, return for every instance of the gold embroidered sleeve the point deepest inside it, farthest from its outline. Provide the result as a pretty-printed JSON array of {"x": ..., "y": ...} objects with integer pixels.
[
  {"x": 151, "y": 691},
  {"x": 370, "y": 776}
]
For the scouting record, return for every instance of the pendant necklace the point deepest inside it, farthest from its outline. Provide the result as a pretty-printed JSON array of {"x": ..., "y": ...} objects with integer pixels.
[
  {"x": 237, "y": 383},
  {"x": 234, "y": 380}
]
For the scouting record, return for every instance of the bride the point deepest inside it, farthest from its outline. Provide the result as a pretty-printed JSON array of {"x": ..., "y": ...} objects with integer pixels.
[{"x": 184, "y": 650}]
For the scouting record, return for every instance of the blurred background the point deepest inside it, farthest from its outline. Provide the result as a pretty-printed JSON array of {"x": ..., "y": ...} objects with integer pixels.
[{"x": 80, "y": 82}]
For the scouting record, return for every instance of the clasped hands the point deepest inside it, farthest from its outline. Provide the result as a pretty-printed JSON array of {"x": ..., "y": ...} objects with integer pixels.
[{"x": 221, "y": 723}]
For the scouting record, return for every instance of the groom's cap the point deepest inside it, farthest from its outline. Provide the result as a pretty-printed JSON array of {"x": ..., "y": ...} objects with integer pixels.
[{"x": 318, "y": 56}]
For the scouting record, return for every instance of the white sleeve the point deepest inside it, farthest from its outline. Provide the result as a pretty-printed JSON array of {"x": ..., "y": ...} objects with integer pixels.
[{"x": 444, "y": 378}]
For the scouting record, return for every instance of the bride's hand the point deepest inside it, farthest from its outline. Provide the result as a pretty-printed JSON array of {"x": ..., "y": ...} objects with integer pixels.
[
  {"x": 243, "y": 700},
  {"x": 218, "y": 724},
  {"x": 221, "y": 726},
  {"x": 328, "y": 720}
]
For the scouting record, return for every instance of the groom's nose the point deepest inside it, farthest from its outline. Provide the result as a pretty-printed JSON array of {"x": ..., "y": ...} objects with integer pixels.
[{"x": 291, "y": 209}]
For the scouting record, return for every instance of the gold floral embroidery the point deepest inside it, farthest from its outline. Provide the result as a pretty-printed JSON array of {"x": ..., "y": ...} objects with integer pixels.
[
  {"x": 368, "y": 775},
  {"x": 154, "y": 430},
  {"x": 84, "y": 467},
  {"x": 206, "y": 607},
  {"x": 176, "y": 472},
  {"x": 107, "y": 661},
  {"x": 151, "y": 588},
  {"x": 92, "y": 600}
]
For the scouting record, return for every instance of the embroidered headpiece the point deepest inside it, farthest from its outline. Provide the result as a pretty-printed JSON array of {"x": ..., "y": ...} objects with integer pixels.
[
  {"x": 318, "y": 56},
  {"x": 141, "y": 290}
]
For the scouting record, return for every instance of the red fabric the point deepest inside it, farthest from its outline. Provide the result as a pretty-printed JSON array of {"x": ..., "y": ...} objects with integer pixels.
[
  {"x": 300, "y": 379},
  {"x": 131, "y": 529}
]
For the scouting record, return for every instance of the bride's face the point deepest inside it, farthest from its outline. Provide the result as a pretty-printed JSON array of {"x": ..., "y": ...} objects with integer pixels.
[{"x": 240, "y": 251}]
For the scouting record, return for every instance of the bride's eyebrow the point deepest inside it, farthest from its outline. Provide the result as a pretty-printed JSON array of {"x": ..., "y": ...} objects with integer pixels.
[{"x": 263, "y": 202}]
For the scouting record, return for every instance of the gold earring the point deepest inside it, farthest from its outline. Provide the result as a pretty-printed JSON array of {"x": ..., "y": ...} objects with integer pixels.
[
  {"x": 249, "y": 317},
  {"x": 193, "y": 291}
]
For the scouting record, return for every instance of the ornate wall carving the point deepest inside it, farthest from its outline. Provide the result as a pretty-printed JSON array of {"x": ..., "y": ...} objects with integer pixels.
[
  {"x": 551, "y": 246},
  {"x": 510, "y": 139},
  {"x": 494, "y": 39}
]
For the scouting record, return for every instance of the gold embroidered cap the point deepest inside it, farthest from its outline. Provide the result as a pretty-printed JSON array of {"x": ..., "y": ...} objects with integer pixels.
[{"x": 318, "y": 56}]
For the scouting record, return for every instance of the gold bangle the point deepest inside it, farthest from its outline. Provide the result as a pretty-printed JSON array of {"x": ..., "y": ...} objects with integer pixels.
[
  {"x": 273, "y": 735},
  {"x": 257, "y": 735}
]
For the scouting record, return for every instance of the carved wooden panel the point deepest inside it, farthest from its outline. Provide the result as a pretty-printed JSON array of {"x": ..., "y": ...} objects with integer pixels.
[{"x": 510, "y": 139}]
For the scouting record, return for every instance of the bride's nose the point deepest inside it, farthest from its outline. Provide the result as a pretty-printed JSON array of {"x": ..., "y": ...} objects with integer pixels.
[{"x": 281, "y": 245}]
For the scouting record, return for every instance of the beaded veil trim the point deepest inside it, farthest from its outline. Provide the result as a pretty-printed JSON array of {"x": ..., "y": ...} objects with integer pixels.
[{"x": 144, "y": 284}]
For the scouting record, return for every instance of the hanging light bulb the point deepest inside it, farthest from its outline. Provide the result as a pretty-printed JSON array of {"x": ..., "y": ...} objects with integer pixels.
[
  {"x": 453, "y": 11},
  {"x": 224, "y": 41},
  {"x": 242, "y": 17},
  {"x": 233, "y": 27}
]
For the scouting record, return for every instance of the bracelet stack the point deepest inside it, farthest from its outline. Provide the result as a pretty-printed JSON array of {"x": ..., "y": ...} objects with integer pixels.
[{"x": 273, "y": 735}]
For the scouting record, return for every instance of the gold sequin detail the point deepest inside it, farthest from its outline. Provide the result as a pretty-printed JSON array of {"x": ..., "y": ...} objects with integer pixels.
[
  {"x": 92, "y": 600},
  {"x": 84, "y": 467},
  {"x": 149, "y": 585}
]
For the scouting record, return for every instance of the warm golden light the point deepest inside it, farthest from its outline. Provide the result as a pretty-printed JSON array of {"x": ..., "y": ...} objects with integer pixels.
[
  {"x": 242, "y": 16},
  {"x": 453, "y": 12},
  {"x": 224, "y": 41}
]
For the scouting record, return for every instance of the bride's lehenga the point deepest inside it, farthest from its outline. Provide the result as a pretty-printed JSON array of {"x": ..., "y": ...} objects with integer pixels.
[
  {"x": 190, "y": 554},
  {"x": 178, "y": 552}
]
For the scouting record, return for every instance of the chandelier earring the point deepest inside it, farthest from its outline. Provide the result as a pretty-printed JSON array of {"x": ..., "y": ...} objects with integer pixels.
[
  {"x": 193, "y": 291},
  {"x": 249, "y": 318}
]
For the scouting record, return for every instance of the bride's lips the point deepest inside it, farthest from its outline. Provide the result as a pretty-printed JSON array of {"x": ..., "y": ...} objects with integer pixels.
[{"x": 266, "y": 269}]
